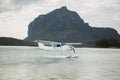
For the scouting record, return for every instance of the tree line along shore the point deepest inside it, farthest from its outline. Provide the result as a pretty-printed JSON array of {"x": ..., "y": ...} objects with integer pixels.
[{"x": 103, "y": 43}]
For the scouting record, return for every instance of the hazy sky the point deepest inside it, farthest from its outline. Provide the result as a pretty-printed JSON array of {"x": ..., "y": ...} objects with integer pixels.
[{"x": 15, "y": 15}]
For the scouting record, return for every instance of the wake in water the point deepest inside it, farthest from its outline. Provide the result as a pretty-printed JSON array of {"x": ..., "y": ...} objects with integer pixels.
[{"x": 62, "y": 56}]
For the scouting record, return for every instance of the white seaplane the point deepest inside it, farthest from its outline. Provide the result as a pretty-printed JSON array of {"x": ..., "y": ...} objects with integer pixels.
[{"x": 59, "y": 47}]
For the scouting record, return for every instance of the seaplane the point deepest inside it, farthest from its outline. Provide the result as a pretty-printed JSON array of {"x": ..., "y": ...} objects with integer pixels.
[{"x": 58, "y": 47}]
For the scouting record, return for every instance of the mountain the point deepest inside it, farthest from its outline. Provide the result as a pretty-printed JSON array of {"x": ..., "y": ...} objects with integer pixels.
[
  {"x": 7, "y": 41},
  {"x": 63, "y": 25}
]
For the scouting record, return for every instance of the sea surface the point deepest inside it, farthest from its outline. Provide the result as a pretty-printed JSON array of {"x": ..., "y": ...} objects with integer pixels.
[{"x": 31, "y": 63}]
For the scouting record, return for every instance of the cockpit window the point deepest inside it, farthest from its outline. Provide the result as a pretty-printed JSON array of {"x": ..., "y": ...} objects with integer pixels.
[
  {"x": 58, "y": 45},
  {"x": 61, "y": 44}
]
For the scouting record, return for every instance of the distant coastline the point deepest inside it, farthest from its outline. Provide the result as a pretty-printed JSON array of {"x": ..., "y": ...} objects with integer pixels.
[
  {"x": 104, "y": 43},
  {"x": 8, "y": 41}
]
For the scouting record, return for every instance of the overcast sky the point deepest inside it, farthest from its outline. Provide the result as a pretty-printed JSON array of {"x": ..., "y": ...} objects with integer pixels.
[{"x": 15, "y": 15}]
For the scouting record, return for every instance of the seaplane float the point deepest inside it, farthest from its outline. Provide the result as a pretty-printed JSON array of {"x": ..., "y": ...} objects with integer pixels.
[{"x": 59, "y": 47}]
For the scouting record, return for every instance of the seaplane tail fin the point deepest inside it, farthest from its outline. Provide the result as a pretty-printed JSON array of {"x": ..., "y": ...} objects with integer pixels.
[{"x": 41, "y": 45}]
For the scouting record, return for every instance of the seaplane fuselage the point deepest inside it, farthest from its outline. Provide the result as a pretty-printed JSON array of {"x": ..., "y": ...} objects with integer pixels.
[{"x": 58, "y": 47}]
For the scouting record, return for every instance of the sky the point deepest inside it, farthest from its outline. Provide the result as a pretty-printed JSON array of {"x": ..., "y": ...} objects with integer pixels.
[{"x": 15, "y": 15}]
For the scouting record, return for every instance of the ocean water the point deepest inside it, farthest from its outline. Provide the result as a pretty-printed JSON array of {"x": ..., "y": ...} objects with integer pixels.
[{"x": 31, "y": 63}]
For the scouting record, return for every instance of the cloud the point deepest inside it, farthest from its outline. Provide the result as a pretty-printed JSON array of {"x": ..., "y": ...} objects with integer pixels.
[
  {"x": 23, "y": 2},
  {"x": 13, "y": 5}
]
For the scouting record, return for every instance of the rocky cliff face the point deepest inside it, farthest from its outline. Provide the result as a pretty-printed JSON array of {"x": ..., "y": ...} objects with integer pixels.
[{"x": 63, "y": 25}]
